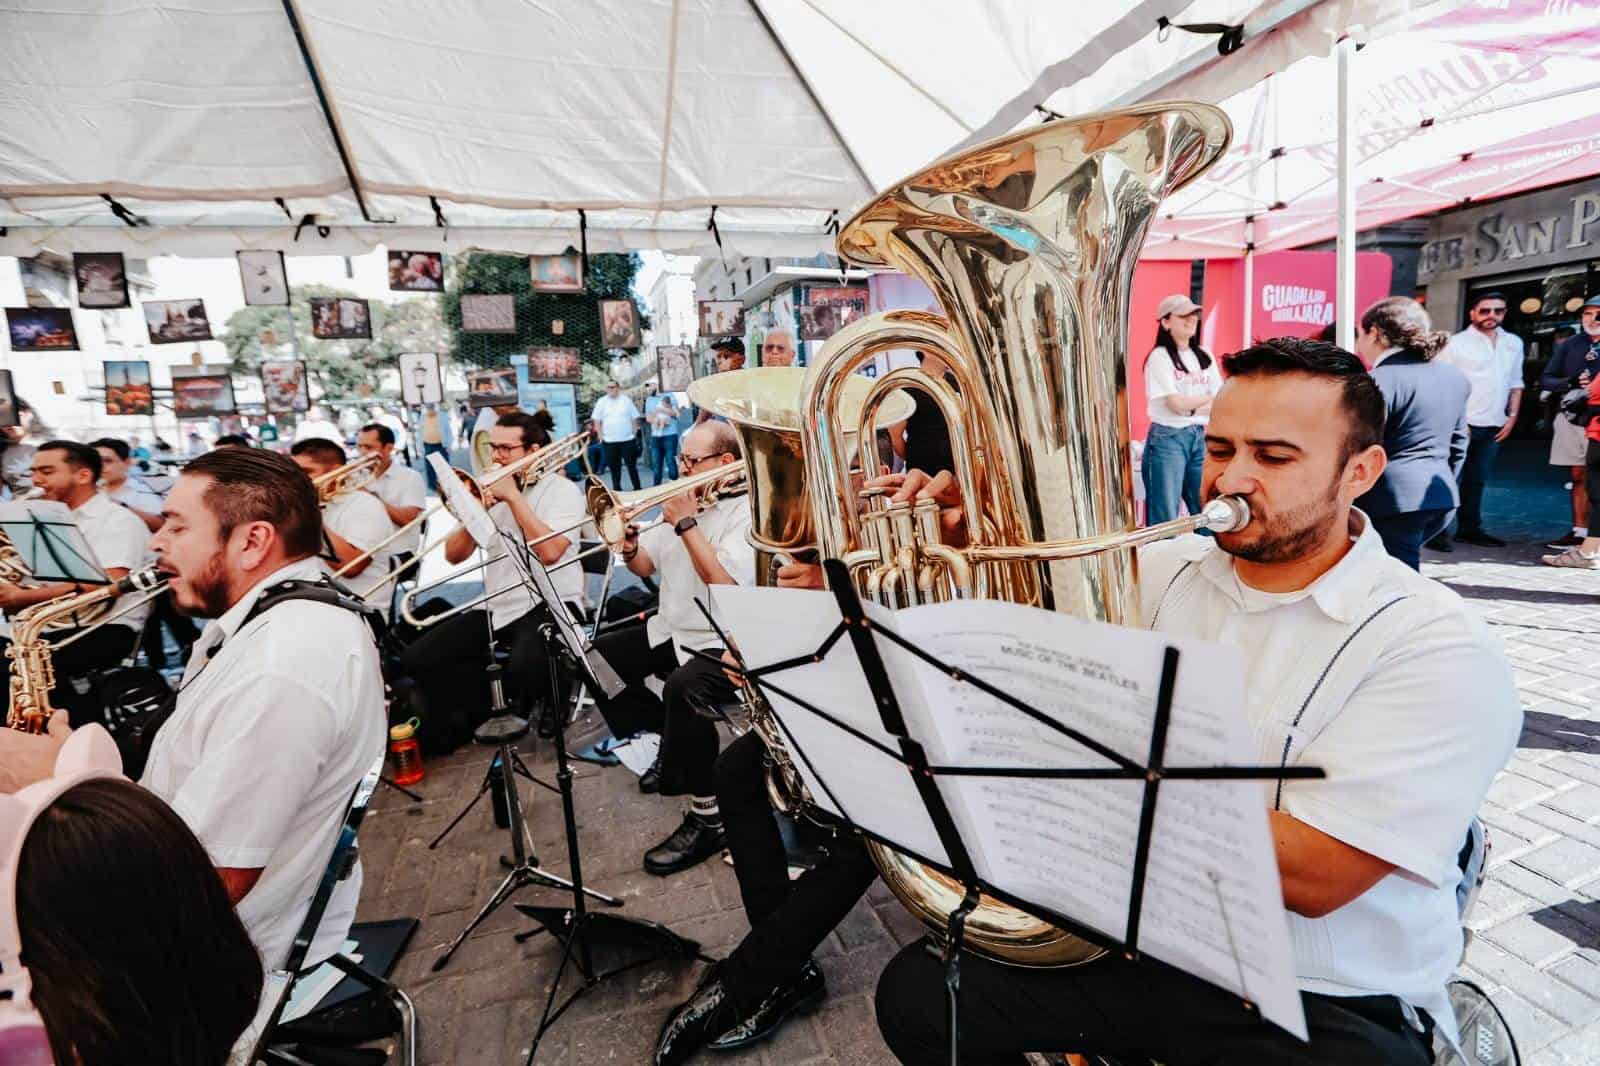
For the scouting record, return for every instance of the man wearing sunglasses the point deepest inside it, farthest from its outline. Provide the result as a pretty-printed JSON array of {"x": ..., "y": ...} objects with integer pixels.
[{"x": 1492, "y": 360}]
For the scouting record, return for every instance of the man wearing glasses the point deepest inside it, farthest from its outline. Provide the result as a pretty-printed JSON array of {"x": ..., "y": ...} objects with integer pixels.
[
  {"x": 618, "y": 419},
  {"x": 778, "y": 349},
  {"x": 688, "y": 551},
  {"x": 1492, "y": 360}
]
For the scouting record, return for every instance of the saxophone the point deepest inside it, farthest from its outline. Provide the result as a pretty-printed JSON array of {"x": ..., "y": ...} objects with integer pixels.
[{"x": 33, "y": 675}]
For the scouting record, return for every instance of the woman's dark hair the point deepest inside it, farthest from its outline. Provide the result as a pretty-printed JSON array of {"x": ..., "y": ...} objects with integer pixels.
[
  {"x": 1164, "y": 340},
  {"x": 1363, "y": 403},
  {"x": 135, "y": 952},
  {"x": 256, "y": 485},
  {"x": 1403, "y": 323}
]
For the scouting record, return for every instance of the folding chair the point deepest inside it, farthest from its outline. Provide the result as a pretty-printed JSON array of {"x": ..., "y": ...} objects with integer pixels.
[{"x": 272, "y": 1047}]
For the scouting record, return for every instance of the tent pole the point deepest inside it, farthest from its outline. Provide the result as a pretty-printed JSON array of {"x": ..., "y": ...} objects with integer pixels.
[
  {"x": 1345, "y": 307},
  {"x": 327, "y": 110},
  {"x": 1247, "y": 338}
]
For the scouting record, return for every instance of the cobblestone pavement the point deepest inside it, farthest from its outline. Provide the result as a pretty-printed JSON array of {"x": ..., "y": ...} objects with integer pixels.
[{"x": 1537, "y": 924}]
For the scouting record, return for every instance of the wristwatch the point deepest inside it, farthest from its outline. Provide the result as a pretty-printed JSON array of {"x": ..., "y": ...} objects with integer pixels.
[{"x": 683, "y": 525}]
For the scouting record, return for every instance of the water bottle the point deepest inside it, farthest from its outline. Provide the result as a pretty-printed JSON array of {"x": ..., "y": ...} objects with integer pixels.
[{"x": 404, "y": 754}]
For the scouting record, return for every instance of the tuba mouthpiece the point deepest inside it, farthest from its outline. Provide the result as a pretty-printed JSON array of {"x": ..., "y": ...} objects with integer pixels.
[{"x": 1226, "y": 514}]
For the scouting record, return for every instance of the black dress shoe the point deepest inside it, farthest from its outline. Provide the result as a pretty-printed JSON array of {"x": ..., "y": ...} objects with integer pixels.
[
  {"x": 1441, "y": 543},
  {"x": 706, "y": 1014},
  {"x": 1481, "y": 539},
  {"x": 694, "y": 841},
  {"x": 650, "y": 780},
  {"x": 1571, "y": 540},
  {"x": 801, "y": 995}
]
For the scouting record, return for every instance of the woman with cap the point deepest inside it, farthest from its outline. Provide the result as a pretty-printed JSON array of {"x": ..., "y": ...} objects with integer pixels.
[{"x": 1180, "y": 379}]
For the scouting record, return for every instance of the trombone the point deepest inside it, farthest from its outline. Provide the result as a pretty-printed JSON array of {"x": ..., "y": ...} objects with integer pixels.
[
  {"x": 611, "y": 513},
  {"x": 356, "y": 474}
]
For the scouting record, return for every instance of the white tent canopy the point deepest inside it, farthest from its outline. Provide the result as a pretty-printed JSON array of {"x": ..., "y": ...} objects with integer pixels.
[{"x": 225, "y": 124}]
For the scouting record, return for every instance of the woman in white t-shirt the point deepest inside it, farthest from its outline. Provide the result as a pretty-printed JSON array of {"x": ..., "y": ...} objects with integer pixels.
[{"x": 1180, "y": 380}]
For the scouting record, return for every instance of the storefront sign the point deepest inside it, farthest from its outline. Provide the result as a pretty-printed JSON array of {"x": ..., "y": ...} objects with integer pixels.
[{"x": 1554, "y": 226}]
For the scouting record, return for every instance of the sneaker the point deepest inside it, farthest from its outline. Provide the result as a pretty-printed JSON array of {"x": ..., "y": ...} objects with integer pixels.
[
  {"x": 1480, "y": 538},
  {"x": 1573, "y": 557},
  {"x": 694, "y": 841},
  {"x": 1571, "y": 540}
]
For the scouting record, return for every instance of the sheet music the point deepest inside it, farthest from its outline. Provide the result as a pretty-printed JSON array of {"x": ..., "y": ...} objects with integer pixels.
[
  {"x": 464, "y": 505},
  {"x": 49, "y": 541},
  {"x": 770, "y": 625}
]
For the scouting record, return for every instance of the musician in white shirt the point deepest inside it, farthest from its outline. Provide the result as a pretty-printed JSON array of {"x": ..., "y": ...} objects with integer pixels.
[
  {"x": 1492, "y": 360},
  {"x": 447, "y": 660},
  {"x": 354, "y": 523},
  {"x": 399, "y": 488},
  {"x": 1355, "y": 664}
]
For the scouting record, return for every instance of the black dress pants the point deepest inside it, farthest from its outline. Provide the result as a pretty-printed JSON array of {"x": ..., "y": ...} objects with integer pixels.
[
  {"x": 1131, "y": 1011},
  {"x": 101, "y": 649},
  {"x": 682, "y": 714},
  {"x": 788, "y": 920},
  {"x": 447, "y": 662},
  {"x": 618, "y": 453}
]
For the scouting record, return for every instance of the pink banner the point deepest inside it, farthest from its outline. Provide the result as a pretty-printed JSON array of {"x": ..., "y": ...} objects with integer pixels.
[{"x": 1293, "y": 295}]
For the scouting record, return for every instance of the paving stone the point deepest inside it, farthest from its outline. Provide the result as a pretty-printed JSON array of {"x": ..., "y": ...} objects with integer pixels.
[
  {"x": 1541, "y": 938},
  {"x": 1513, "y": 792},
  {"x": 1568, "y": 862}
]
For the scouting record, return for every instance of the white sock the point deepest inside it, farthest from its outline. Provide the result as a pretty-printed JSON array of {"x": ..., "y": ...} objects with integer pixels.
[
  {"x": 1580, "y": 531},
  {"x": 705, "y": 808}
]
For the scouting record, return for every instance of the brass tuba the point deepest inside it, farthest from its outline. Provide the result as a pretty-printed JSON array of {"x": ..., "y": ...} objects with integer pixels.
[{"x": 1029, "y": 244}]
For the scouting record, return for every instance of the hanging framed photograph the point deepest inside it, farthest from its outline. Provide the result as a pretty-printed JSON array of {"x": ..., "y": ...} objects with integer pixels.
[
  {"x": 495, "y": 387},
  {"x": 335, "y": 318},
  {"x": 266, "y": 283},
  {"x": 202, "y": 395},
  {"x": 419, "y": 379},
  {"x": 555, "y": 364},
  {"x": 827, "y": 310},
  {"x": 674, "y": 367},
  {"x": 619, "y": 324},
  {"x": 41, "y": 329},
  {"x": 102, "y": 280},
  {"x": 9, "y": 415},
  {"x": 176, "y": 321},
  {"x": 488, "y": 314},
  {"x": 128, "y": 389},
  {"x": 283, "y": 387},
  {"x": 556, "y": 273},
  {"x": 416, "y": 272},
  {"x": 721, "y": 318}
]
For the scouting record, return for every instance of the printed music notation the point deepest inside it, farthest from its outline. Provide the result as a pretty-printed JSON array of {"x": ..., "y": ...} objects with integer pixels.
[{"x": 1212, "y": 904}]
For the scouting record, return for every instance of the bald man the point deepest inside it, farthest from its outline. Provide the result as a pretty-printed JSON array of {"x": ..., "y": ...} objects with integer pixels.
[{"x": 778, "y": 348}]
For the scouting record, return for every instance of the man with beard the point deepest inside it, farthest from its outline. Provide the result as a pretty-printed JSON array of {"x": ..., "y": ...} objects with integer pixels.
[
  {"x": 280, "y": 712},
  {"x": 1355, "y": 664}
]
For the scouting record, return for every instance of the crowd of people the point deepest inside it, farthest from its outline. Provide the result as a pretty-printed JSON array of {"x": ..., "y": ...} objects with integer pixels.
[{"x": 215, "y": 840}]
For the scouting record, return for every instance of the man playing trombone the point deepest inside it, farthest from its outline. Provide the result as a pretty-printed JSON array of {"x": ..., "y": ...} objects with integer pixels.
[
  {"x": 449, "y": 658},
  {"x": 355, "y": 523},
  {"x": 689, "y": 550},
  {"x": 399, "y": 488}
]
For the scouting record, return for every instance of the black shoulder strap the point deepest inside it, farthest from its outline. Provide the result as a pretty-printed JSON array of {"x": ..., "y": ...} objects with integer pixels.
[{"x": 323, "y": 590}]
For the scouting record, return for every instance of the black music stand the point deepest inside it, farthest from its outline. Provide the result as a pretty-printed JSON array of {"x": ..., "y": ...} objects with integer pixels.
[
  {"x": 50, "y": 542},
  {"x": 863, "y": 635}
]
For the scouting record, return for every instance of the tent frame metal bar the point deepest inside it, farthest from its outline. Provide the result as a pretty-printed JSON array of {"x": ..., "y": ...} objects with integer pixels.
[{"x": 327, "y": 109}]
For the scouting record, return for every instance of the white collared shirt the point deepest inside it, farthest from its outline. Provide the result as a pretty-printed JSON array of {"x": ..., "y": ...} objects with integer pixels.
[
  {"x": 1383, "y": 679},
  {"x": 138, "y": 495},
  {"x": 726, "y": 524},
  {"x": 1493, "y": 367},
  {"x": 616, "y": 415},
  {"x": 119, "y": 539},
  {"x": 559, "y": 504},
  {"x": 270, "y": 735},
  {"x": 401, "y": 486},
  {"x": 360, "y": 518}
]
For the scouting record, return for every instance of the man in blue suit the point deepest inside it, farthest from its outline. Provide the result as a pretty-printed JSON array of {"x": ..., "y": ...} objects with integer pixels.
[{"x": 1425, "y": 427}]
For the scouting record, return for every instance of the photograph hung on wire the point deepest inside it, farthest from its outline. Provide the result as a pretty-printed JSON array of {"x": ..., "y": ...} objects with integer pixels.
[
  {"x": 41, "y": 329},
  {"x": 176, "y": 321},
  {"x": 721, "y": 318},
  {"x": 128, "y": 387},
  {"x": 283, "y": 386},
  {"x": 553, "y": 363},
  {"x": 204, "y": 391},
  {"x": 416, "y": 271},
  {"x": 828, "y": 310},
  {"x": 9, "y": 414},
  {"x": 336, "y": 318},
  {"x": 102, "y": 279},
  {"x": 420, "y": 382},
  {"x": 494, "y": 313},
  {"x": 556, "y": 273},
  {"x": 619, "y": 324},
  {"x": 674, "y": 367},
  {"x": 265, "y": 281},
  {"x": 495, "y": 387}
]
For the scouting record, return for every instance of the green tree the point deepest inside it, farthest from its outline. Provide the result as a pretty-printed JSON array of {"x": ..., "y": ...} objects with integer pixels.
[
  {"x": 340, "y": 368},
  {"x": 609, "y": 277}
]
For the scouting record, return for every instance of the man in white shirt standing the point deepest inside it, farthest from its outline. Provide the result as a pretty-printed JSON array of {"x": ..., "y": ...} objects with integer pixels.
[
  {"x": 1492, "y": 360},
  {"x": 447, "y": 661},
  {"x": 69, "y": 472},
  {"x": 399, "y": 488},
  {"x": 1355, "y": 664},
  {"x": 354, "y": 522},
  {"x": 279, "y": 714},
  {"x": 618, "y": 419},
  {"x": 315, "y": 426},
  {"x": 688, "y": 551}
]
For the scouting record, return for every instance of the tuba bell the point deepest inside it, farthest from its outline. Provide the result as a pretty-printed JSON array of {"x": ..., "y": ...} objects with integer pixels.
[{"x": 1028, "y": 242}]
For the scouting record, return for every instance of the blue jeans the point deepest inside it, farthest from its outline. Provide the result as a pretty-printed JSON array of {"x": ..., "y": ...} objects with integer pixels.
[
  {"x": 664, "y": 456},
  {"x": 1171, "y": 470},
  {"x": 1481, "y": 451},
  {"x": 1405, "y": 533},
  {"x": 427, "y": 467}
]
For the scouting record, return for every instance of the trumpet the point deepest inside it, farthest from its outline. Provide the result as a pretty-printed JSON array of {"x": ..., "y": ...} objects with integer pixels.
[
  {"x": 612, "y": 513},
  {"x": 351, "y": 477}
]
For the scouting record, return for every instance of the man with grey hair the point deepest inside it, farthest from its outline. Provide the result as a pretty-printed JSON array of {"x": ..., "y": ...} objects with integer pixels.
[{"x": 777, "y": 349}]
